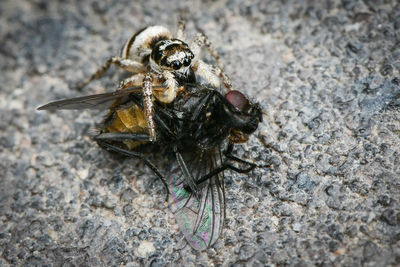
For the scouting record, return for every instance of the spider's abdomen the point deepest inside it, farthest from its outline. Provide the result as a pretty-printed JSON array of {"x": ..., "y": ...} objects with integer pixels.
[{"x": 140, "y": 45}]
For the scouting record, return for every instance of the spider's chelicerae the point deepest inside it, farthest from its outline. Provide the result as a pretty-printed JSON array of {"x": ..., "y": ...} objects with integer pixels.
[{"x": 155, "y": 57}]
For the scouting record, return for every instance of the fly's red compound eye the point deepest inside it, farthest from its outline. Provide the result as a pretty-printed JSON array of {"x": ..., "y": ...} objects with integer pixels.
[{"x": 237, "y": 99}]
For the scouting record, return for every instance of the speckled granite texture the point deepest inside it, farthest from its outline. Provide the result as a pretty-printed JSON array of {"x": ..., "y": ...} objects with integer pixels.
[{"x": 326, "y": 74}]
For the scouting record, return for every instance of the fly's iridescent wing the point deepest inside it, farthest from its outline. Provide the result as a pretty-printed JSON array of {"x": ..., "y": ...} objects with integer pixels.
[
  {"x": 96, "y": 101},
  {"x": 200, "y": 215}
]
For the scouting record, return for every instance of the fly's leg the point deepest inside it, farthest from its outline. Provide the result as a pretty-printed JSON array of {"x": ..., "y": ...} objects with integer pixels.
[
  {"x": 200, "y": 41},
  {"x": 127, "y": 64},
  {"x": 148, "y": 104},
  {"x": 189, "y": 177},
  {"x": 134, "y": 154},
  {"x": 228, "y": 154},
  {"x": 120, "y": 137},
  {"x": 225, "y": 166}
]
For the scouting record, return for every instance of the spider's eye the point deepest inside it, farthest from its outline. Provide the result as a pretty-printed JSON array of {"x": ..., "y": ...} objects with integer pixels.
[
  {"x": 159, "y": 54},
  {"x": 186, "y": 62},
  {"x": 176, "y": 65}
]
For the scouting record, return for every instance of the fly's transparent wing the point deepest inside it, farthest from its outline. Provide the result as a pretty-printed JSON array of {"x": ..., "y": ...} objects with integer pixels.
[
  {"x": 200, "y": 215},
  {"x": 96, "y": 101}
]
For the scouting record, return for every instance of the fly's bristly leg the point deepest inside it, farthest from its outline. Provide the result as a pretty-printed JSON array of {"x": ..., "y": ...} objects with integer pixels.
[
  {"x": 226, "y": 166},
  {"x": 228, "y": 154},
  {"x": 189, "y": 177},
  {"x": 234, "y": 158},
  {"x": 222, "y": 168},
  {"x": 134, "y": 154},
  {"x": 148, "y": 104},
  {"x": 127, "y": 64},
  {"x": 119, "y": 136}
]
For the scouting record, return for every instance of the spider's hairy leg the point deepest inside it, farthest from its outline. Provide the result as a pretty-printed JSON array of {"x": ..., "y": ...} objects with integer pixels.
[
  {"x": 180, "y": 32},
  {"x": 202, "y": 40},
  {"x": 206, "y": 74},
  {"x": 108, "y": 146},
  {"x": 148, "y": 104},
  {"x": 172, "y": 88},
  {"x": 134, "y": 80},
  {"x": 127, "y": 64}
]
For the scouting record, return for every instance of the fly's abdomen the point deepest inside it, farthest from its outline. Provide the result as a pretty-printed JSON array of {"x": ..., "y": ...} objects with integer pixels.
[{"x": 128, "y": 120}]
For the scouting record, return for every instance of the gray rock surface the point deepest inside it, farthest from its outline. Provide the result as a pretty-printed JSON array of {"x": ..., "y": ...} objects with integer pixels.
[{"x": 326, "y": 74}]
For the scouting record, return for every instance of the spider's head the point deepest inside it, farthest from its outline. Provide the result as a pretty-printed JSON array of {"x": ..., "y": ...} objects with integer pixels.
[{"x": 171, "y": 54}]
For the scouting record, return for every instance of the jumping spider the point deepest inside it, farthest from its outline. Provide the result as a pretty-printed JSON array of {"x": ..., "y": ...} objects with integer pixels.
[{"x": 156, "y": 58}]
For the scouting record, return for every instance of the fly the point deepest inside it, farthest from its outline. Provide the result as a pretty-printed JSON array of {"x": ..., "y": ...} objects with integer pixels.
[{"x": 197, "y": 131}]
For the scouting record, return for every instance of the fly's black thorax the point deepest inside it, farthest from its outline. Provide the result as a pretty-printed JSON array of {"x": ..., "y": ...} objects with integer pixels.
[{"x": 201, "y": 119}]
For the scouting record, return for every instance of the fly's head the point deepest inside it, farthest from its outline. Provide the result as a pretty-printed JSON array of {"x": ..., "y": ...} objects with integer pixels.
[
  {"x": 171, "y": 55},
  {"x": 244, "y": 116}
]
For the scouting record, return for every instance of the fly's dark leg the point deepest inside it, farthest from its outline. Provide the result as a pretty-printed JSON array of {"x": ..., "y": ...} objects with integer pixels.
[
  {"x": 134, "y": 154},
  {"x": 228, "y": 154},
  {"x": 127, "y": 64},
  {"x": 148, "y": 104},
  {"x": 222, "y": 168},
  {"x": 225, "y": 166},
  {"x": 118, "y": 136},
  {"x": 231, "y": 157},
  {"x": 189, "y": 178}
]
